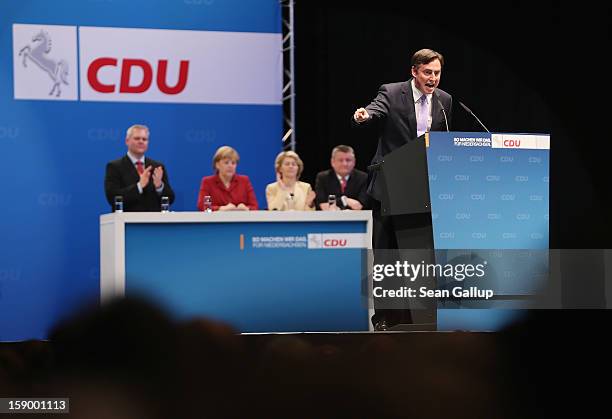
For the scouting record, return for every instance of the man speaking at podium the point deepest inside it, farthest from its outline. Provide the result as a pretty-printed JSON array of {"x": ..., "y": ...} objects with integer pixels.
[
  {"x": 403, "y": 111},
  {"x": 140, "y": 180}
]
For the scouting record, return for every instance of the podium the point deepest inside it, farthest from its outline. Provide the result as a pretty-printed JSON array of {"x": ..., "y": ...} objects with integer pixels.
[
  {"x": 403, "y": 175},
  {"x": 405, "y": 167},
  {"x": 480, "y": 191},
  {"x": 405, "y": 186}
]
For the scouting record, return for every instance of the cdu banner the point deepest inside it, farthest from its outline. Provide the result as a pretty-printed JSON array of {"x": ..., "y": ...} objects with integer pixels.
[{"x": 200, "y": 73}]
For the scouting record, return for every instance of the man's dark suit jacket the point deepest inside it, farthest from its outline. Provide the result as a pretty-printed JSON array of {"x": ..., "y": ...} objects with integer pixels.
[
  {"x": 393, "y": 109},
  {"x": 327, "y": 183},
  {"x": 122, "y": 178}
]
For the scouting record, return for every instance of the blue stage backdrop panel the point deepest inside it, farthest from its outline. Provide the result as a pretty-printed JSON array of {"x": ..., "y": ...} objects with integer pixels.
[{"x": 199, "y": 73}]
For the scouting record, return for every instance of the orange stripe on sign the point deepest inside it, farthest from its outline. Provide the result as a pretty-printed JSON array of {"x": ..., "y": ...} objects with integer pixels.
[{"x": 242, "y": 242}]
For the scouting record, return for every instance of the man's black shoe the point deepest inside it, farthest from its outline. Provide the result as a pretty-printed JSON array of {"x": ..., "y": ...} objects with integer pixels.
[{"x": 381, "y": 326}]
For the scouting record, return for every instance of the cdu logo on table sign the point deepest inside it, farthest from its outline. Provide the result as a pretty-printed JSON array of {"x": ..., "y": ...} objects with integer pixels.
[
  {"x": 146, "y": 65},
  {"x": 337, "y": 241}
]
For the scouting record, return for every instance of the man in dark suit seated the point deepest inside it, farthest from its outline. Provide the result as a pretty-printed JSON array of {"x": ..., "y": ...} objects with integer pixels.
[
  {"x": 348, "y": 184},
  {"x": 139, "y": 180}
]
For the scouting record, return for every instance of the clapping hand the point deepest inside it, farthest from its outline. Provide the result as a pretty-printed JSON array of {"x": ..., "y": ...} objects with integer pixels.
[
  {"x": 145, "y": 176},
  {"x": 158, "y": 175},
  {"x": 310, "y": 198}
]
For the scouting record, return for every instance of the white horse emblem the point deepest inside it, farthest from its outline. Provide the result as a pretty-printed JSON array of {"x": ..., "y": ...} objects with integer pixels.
[{"x": 37, "y": 52}]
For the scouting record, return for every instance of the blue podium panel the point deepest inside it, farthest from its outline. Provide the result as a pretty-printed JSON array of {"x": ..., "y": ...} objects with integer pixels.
[
  {"x": 490, "y": 194},
  {"x": 489, "y": 191},
  {"x": 259, "y": 272}
]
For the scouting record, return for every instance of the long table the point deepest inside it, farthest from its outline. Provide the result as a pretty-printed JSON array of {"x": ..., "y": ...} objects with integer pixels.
[{"x": 259, "y": 271}]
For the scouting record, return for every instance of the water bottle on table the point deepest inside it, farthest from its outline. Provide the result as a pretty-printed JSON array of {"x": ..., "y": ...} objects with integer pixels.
[
  {"x": 331, "y": 201},
  {"x": 290, "y": 201},
  {"x": 118, "y": 203},
  {"x": 165, "y": 204},
  {"x": 207, "y": 203}
]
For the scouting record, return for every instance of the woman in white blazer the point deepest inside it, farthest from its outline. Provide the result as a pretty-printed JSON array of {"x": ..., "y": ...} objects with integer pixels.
[{"x": 288, "y": 193}]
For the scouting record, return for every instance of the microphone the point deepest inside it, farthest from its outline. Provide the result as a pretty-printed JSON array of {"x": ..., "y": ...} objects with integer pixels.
[
  {"x": 472, "y": 113},
  {"x": 444, "y": 112}
]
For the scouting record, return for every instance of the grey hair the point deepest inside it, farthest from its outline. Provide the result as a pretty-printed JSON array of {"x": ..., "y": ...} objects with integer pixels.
[{"x": 131, "y": 129}]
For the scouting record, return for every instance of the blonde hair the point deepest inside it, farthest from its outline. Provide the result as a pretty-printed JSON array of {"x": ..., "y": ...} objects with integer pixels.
[
  {"x": 224, "y": 152},
  {"x": 289, "y": 154},
  {"x": 131, "y": 129}
]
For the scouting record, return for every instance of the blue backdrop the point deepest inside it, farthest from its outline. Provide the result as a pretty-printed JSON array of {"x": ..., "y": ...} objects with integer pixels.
[{"x": 54, "y": 151}]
